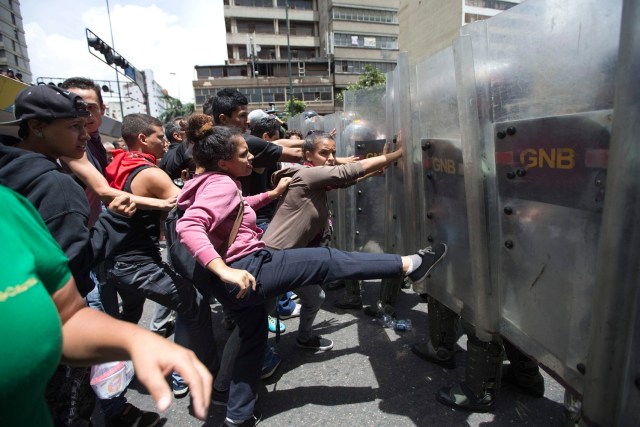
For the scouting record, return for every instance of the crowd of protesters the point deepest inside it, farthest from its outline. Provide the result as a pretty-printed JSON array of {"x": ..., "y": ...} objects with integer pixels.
[{"x": 88, "y": 226}]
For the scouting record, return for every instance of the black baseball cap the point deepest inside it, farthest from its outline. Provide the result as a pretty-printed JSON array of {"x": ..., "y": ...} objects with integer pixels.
[{"x": 47, "y": 102}]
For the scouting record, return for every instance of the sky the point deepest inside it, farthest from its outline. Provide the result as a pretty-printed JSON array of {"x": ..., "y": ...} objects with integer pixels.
[{"x": 169, "y": 37}]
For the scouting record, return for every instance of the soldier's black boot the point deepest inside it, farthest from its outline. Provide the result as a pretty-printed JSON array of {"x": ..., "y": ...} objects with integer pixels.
[
  {"x": 523, "y": 372},
  {"x": 352, "y": 299},
  {"x": 478, "y": 392},
  {"x": 444, "y": 331},
  {"x": 389, "y": 291}
]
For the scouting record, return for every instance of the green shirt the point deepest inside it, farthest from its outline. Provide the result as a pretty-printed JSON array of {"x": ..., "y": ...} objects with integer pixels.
[{"x": 32, "y": 267}]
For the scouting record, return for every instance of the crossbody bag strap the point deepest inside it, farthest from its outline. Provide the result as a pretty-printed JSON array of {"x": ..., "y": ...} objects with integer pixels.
[{"x": 236, "y": 226}]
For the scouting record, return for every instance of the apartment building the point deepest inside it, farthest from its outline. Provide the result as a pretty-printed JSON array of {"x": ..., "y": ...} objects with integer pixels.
[
  {"x": 13, "y": 46},
  {"x": 329, "y": 43}
]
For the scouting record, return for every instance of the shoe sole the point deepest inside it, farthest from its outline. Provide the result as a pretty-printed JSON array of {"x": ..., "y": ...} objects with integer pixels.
[
  {"x": 181, "y": 392},
  {"x": 424, "y": 276},
  {"x": 270, "y": 373},
  {"x": 325, "y": 348},
  {"x": 290, "y": 316},
  {"x": 447, "y": 364},
  {"x": 470, "y": 408}
]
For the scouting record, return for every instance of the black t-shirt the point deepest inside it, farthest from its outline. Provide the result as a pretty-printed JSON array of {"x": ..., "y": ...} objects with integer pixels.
[
  {"x": 266, "y": 155},
  {"x": 177, "y": 158}
]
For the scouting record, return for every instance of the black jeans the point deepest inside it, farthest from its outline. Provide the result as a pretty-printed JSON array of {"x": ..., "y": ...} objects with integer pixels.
[{"x": 277, "y": 272}]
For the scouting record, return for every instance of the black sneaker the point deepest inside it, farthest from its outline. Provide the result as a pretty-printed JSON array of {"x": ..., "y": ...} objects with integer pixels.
[
  {"x": 315, "y": 343},
  {"x": 253, "y": 421},
  {"x": 132, "y": 417},
  {"x": 431, "y": 256}
]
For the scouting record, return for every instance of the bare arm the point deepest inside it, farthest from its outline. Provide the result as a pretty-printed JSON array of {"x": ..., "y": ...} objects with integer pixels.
[
  {"x": 154, "y": 182},
  {"x": 373, "y": 164},
  {"x": 93, "y": 179},
  {"x": 291, "y": 154},
  {"x": 289, "y": 143},
  {"x": 90, "y": 337}
]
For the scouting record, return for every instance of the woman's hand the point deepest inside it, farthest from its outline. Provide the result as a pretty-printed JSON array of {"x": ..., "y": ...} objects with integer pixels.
[
  {"x": 241, "y": 278},
  {"x": 280, "y": 188}
]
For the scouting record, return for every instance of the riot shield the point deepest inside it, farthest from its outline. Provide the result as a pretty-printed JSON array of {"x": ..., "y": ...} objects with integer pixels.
[
  {"x": 534, "y": 90},
  {"x": 611, "y": 395}
]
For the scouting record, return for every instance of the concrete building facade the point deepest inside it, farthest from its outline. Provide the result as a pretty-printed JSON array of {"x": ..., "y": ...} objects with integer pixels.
[
  {"x": 330, "y": 43},
  {"x": 13, "y": 45},
  {"x": 428, "y": 26}
]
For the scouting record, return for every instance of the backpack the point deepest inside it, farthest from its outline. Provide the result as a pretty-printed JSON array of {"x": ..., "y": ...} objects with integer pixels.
[{"x": 178, "y": 256}]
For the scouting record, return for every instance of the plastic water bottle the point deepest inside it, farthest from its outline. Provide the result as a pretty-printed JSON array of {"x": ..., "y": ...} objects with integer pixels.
[
  {"x": 399, "y": 325},
  {"x": 387, "y": 321},
  {"x": 402, "y": 325}
]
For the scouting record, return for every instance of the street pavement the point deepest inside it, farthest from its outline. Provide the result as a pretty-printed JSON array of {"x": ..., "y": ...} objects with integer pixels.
[{"x": 369, "y": 378}]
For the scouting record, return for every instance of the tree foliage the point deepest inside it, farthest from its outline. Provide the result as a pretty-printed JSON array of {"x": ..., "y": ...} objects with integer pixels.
[
  {"x": 296, "y": 104},
  {"x": 370, "y": 77},
  {"x": 175, "y": 108}
]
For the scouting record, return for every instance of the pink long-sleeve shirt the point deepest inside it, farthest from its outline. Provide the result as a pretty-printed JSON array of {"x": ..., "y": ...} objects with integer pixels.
[{"x": 210, "y": 202}]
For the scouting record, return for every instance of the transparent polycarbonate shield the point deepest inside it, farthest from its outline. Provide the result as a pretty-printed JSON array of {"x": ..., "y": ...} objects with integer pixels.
[
  {"x": 395, "y": 202},
  {"x": 436, "y": 158},
  {"x": 335, "y": 198},
  {"x": 293, "y": 123},
  {"x": 611, "y": 395},
  {"x": 537, "y": 81},
  {"x": 364, "y": 136}
]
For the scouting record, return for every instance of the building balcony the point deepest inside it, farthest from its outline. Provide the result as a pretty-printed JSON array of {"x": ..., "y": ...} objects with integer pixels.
[
  {"x": 269, "y": 13},
  {"x": 272, "y": 39}
]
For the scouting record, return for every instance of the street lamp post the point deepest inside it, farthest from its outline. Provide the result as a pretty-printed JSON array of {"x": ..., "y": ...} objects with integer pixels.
[
  {"x": 289, "y": 63},
  {"x": 177, "y": 82}
]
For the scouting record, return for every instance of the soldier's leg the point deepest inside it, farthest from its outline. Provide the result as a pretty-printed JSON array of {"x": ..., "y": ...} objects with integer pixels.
[
  {"x": 523, "y": 371},
  {"x": 444, "y": 331},
  {"x": 352, "y": 296},
  {"x": 480, "y": 388},
  {"x": 389, "y": 292}
]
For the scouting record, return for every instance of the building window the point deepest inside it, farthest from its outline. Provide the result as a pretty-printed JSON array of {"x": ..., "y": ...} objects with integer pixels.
[
  {"x": 254, "y": 3},
  {"x": 13, "y": 19},
  {"x": 357, "y": 67},
  {"x": 364, "y": 15},
  {"x": 472, "y": 17},
  {"x": 15, "y": 60},
  {"x": 376, "y": 42},
  {"x": 490, "y": 4},
  {"x": 296, "y": 4}
]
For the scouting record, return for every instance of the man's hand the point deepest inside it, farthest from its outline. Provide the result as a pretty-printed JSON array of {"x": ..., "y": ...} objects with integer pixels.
[
  {"x": 123, "y": 205},
  {"x": 155, "y": 357}
]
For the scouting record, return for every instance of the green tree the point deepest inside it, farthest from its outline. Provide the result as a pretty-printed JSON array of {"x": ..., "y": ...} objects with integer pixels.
[
  {"x": 297, "y": 106},
  {"x": 175, "y": 108},
  {"x": 370, "y": 77}
]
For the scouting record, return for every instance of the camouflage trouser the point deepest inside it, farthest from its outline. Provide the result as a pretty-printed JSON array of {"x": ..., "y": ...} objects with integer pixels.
[{"x": 70, "y": 397}]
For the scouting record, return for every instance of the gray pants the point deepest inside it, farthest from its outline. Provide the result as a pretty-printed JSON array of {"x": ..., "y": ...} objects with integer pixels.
[{"x": 311, "y": 298}]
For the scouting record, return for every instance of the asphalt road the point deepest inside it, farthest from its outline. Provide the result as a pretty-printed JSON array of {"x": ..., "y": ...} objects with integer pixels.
[{"x": 369, "y": 378}]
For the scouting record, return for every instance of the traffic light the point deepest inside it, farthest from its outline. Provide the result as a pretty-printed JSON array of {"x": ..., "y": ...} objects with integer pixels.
[
  {"x": 98, "y": 45},
  {"x": 111, "y": 57}
]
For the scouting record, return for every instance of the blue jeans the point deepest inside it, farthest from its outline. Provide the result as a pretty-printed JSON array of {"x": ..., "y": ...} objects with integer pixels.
[
  {"x": 277, "y": 272},
  {"x": 159, "y": 283}
]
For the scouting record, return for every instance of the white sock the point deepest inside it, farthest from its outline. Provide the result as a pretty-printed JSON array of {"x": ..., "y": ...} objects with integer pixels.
[{"x": 415, "y": 261}]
